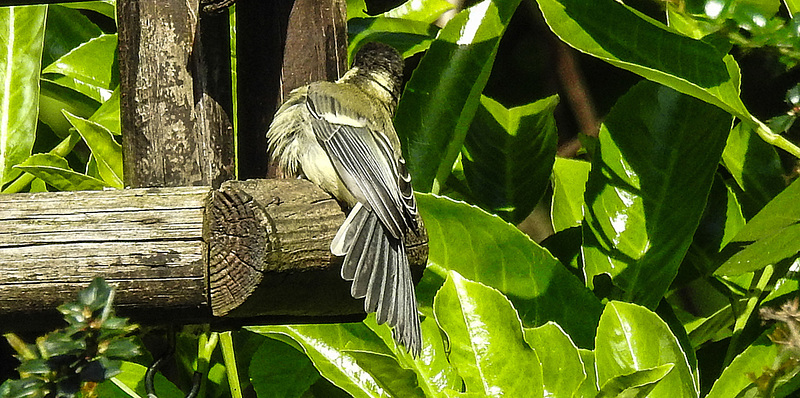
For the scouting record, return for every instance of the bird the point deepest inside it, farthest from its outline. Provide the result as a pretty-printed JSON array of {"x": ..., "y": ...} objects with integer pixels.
[{"x": 340, "y": 136}]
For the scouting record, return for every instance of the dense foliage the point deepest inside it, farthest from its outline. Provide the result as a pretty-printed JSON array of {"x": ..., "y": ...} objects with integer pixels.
[{"x": 673, "y": 232}]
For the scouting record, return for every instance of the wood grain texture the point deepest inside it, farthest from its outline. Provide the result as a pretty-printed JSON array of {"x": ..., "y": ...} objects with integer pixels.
[
  {"x": 176, "y": 131},
  {"x": 146, "y": 242},
  {"x": 252, "y": 250}
]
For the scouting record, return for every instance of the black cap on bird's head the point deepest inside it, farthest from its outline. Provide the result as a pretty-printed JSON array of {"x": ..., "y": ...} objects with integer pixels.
[
  {"x": 375, "y": 55},
  {"x": 379, "y": 58}
]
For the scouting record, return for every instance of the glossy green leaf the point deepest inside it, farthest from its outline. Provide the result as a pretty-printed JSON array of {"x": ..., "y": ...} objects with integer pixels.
[
  {"x": 755, "y": 360},
  {"x": 89, "y": 68},
  {"x": 54, "y": 99},
  {"x": 588, "y": 387},
  {"x": 755, "y": 166},
  {"x": 486, "y": 341},
  {"x": 279, "y": 370},
  {"x": 781, "y": 212},
  {"x": 793, "y": 6},
  {"x": 356, "y": 9},
  {"x": 562, "y": 368},
  {"x": 330, "y": 348},
  {"x": 105, "y": 7},
  {"x": 631, "y": 338},
  {"x": 710, "y": 328},
  {"x": 638, "y": 384},
  {"x": 771, "y": 236},
  {"x": 647, "y": 188},
  {"x": 441, "y": 98},
  {"x": 131, "y": 381},
  {"x": 55, "y": 171},
  {"x": 508, "y": 156},
  {"x": 108, "y": 114},
  {"x": 484, "y": 248},
  {"x": 434, "y": 372},
  {"x": 21, "y": 40},
  {"x": 407, "y": 36},
  {"x": 105, "y": 150},
  {"x": 66, "y": 29},
  {"x": 427, "y": 11},
  {"x": 783, "y": 244},
  {"x": 569, "y": 184},
  {"x": 623, "y": 37}
]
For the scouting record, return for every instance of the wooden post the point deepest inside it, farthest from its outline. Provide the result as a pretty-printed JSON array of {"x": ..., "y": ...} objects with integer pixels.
[{"x": 175, "y": 130}]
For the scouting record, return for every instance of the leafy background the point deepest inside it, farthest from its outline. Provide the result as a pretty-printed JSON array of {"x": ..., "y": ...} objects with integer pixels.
[{"x": 610, "y": 190}]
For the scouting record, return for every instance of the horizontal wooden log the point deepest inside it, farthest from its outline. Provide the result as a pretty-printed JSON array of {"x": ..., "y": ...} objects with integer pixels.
[{"x": 251, "y": 251}]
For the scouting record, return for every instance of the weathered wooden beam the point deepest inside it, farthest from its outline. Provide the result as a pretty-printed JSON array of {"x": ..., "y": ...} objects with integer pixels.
[
  {"x": 176, "y": 131},
  {"x": 251, "y": 249}
]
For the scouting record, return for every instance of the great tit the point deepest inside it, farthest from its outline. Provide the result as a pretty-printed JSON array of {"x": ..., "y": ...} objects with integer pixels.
[{"x": 340, "y": 136}]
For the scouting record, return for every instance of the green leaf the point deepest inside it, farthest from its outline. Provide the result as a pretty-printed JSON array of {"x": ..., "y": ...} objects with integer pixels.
[
  {"x": 427, "y": 11},
  {"x": 647, "y": 188},
  {"x": 89, "y": 68},
  {"x": 508, "y": 156},
  {"x": 330, "y": 348},
  {"x": 588, "y": 387},
  {"x": 21, "y": 39},
  {"x": 793, "y": 6},
  {"x": 105, "y": 150},
  {"x": 759, "y": 357},
  {"x": 562, "y": 368},
  {"x": 638, "y": 384},
  {"x": 130, "y": 383},
  {"x": 721, "y": 220},
  {"x": 627, "y": 39},
  {"x": 55, "y": 99},
  {"x": 631, "y": 338},
  {"x": 55, "y": 171},
  {"x": 755, "y": 166},
  {"x": 484, "y": 248},
  {"x": 771, "y": 236},
  {"x": 434, "y": 372},
  {"x": 407, "y": 36},
  {"x": 108, "y": 114},
  {"x": 66, "y": 29},
  {"x": 441, "y": 98},
  {"x": 485, "y": 337},
  {"x": 569, "y": 184},
  {"x": 279, "y": 370},
  {"x": 105, "y": 7}
]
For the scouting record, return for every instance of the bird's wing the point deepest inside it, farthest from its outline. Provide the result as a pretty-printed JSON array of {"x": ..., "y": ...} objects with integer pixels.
[{"x": 364, "y": 159}]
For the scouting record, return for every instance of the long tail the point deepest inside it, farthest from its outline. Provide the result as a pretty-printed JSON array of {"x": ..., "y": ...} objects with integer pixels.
[{"x": 378, "y": 266}]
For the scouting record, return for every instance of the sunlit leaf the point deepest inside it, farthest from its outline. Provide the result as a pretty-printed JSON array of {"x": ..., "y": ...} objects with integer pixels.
[
  {"x": 441, "y": 98},
  {"x": 55, "y": 171},
  {"x": 630, "y": 339},
  {"x": 623, "y": 37},
  {"x": 21, "y": 40},
  {"x": 569, "y": 184},
  {"x": 89, "y": 68},
  {"x": 105, "y": 150},
  {"x": 562, "y": 369},
  {"x": 648, "y": 187},
  {"x": 486, "y": 249},
  {"x": 486, "y": 341},
  {"x": 330, "y": 348},
  {"x": 771, "y": 236}
]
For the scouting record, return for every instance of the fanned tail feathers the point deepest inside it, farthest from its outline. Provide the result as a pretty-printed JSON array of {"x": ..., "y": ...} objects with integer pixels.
[{"x": 377, "y": 264}]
